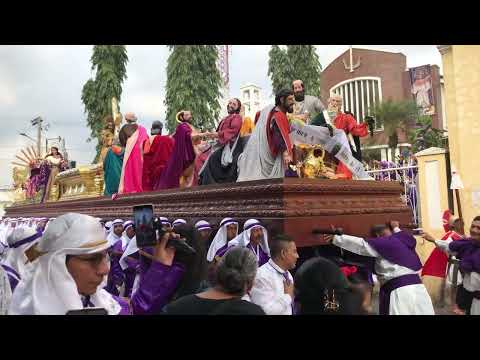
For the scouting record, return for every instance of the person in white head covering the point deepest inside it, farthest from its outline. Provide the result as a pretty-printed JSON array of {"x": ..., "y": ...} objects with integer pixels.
[
  {"x": 116, "y": 277},
  {"x": 227, "y": 231},
  {"x": 108, "y": 227},
  {"x": 164, "y": 221},
  {"x": 128, "y": 233},
  {"x": 70, "y": 264},
  {"x": 254, "y": 237},
  {"x": 179, "y": 222},
  {"x": 116, "y": 232},
  {"x": 130, "y": 260},
  {"x": 204, "y": 229},
  {"x": 18, "y": 242}
]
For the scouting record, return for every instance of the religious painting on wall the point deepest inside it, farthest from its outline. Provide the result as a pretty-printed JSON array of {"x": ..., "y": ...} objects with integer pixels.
[{"x": 422, "y": 90}]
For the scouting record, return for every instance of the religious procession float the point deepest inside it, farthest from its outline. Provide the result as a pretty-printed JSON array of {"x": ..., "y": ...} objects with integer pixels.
[{"x": 312, "y": 194}]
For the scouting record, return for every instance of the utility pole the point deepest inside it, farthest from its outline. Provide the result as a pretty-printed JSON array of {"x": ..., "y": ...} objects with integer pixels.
[{"x": 38, "y": 122}]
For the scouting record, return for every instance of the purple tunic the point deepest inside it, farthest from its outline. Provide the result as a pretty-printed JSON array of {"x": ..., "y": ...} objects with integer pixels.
[
  {"x": 183, "y": 155},
  {"x": 468, "y": 251},
  {"x": 263, "y": 256},
  {"x": 116, "y": 276},
  {"x": 399, "y": 248},
  {"x": 130, "y": 273}
]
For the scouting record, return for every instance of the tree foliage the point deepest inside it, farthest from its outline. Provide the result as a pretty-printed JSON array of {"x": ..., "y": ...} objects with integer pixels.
[
  {"x": 193, "y": 83},
  {"x": 109, "y": 62},
  {"x": 424, "y": 135},
  {"x": 295, "y": 62},
  {"x": 395, "y": 115}
]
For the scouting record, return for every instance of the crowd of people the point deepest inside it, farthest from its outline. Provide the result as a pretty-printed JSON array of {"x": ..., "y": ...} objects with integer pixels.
[{"x": 80, "y": 263}]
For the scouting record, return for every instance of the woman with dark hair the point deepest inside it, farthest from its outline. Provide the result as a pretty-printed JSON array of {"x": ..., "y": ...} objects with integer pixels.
[
  {"x": 321, "y": 288},
  {"x": 55, "y": 162},
  {"x": 234, "y": 278}
]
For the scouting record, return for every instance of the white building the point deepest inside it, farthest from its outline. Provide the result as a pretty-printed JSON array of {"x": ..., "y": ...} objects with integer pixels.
[{"x": 251, "y": 97}]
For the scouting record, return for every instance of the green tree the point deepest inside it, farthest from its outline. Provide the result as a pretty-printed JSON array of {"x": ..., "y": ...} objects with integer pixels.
[
  {"x": 305, "y": 65},
  {"x": 110, "y": 65},
  {"x": 424, "y": 135},
  {"x": 193, "y": 83},
  {"x": 295, "y": 62},
  {"x": 395, "y": 116},
  {"x": 279, "y": 69}
]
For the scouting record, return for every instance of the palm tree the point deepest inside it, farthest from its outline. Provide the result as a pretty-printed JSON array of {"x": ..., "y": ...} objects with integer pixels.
[{"x": 395, "y": 116}]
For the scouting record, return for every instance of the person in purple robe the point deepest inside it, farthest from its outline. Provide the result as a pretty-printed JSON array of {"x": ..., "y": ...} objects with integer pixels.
[
  {"x": 179, "y": 171},
  {"x": 468, "y": 252},
  {"x": 397, "y": 267},
  {"x": 116, "y": 276},
  {"x": 253, "y": 237},
  {"x": 69, "y": 268},
  {"x": 130, "y": 260}
]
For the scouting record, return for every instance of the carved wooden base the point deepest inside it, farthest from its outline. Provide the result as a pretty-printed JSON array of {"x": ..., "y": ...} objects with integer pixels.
[{"x": 291, "y": 205}]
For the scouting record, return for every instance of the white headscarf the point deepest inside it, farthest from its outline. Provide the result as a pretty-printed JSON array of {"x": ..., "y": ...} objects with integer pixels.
[
  {"x": 49, "y": 289},
  {"x": 164, "y": 221},
  {"x": 16, "y": 257},
  {"x": 178, "y": 222},
  {"x": 202, "y": 225},
  {"x": 220, "y": 239},
  {"x": 243, "y": 239},
  {"x": 125, "y": 239},
  {"x": 112, "y": 238},
  {"x": 132, "y": 248}
]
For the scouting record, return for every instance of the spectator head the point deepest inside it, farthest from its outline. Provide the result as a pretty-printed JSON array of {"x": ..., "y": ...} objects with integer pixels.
[{"x": 236, "y": 271}]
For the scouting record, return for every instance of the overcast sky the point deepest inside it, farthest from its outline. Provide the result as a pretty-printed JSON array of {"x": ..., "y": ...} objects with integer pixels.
[{"x": 47, "y": 81}]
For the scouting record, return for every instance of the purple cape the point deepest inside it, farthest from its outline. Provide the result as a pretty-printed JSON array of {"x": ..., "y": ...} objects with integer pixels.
[
  {"x": 399, "y": 249},
  {"x": 182, "y": 157},
  {"x": 468, "y": 251}
]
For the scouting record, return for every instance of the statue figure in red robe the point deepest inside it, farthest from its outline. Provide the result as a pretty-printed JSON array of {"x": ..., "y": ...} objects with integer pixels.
[
  {"x": 156, "y": 152},
  {"x": 180, "y": 168},
  {"x": 220, "y": 166}
]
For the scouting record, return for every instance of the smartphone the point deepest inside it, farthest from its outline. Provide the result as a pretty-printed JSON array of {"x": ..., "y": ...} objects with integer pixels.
[
  {"x": 144, "y": 226},
  {"x": 88, "y": 311}
]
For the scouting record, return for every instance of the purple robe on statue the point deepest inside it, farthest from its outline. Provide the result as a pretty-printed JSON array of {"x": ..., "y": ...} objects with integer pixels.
[{"x": 182, "y": 157}]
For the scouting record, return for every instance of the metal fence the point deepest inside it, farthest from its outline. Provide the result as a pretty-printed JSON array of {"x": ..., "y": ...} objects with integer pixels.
[{"x": 407, "y": 176}]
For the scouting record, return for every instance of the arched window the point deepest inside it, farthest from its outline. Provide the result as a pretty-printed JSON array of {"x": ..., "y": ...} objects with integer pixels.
[{"x": 359, "y": 96}]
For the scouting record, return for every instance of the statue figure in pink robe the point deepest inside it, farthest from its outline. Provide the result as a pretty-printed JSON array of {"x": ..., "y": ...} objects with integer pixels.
[{"x": 132, "y": 136}]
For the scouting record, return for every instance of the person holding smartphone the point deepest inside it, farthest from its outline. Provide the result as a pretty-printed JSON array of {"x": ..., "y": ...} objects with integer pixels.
[{"x": 69, "y": 266}]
